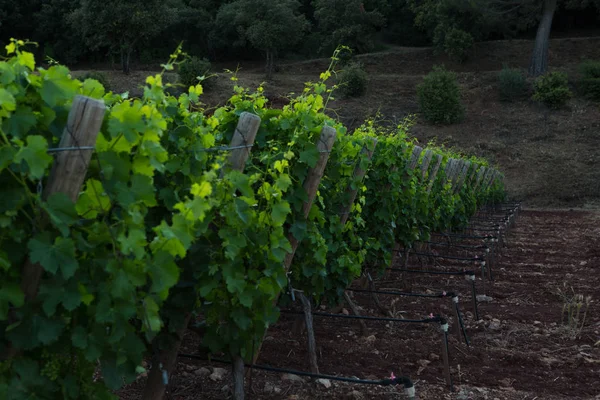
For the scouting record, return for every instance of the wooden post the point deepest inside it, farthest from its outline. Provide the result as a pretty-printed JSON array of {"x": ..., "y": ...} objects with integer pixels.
[
  {"x": 486, "y": 178},
  {"x": 456, "y": 171},
  {"x": 66, "y": 176},
  {"x": 495, "y": 175},
  {"x": 425, "y": 164},
  {"x": 434, "y": 172},
  {"x": 358, "y": 174},
  {"x": 242, "y": 141},
  {"x": 480, "y": 175},
  {"x": 166, "y": 359},
  {"x": 462, "y": 176},
  {"x": 414, "y": 159},
  {"x": 311, "y": 184},
  {"x": 237, "y": 368},
  {"x": 69, "y": 169},
  {"x": 472, "y": 173},
  {"x": 310, "y": 334}
]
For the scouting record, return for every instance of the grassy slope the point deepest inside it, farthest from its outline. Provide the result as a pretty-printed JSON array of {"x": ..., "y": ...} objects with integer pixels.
[{"x": 550, "y": 157}]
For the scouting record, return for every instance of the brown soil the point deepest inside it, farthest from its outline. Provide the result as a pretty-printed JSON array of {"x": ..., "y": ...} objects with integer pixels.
[
  {"x": 548, "y": 156},
  {"x": 520, "y": 349}
]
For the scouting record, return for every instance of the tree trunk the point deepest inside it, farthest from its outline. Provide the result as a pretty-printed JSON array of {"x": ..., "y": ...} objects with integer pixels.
[
  {"x": 125, "y": 57},
  {"x": 539, "y": 58},
  {"x": 163, "y": 365},
  {"x": 270, "y": 64}
]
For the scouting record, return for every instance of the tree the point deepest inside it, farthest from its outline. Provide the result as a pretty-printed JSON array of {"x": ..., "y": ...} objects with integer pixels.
[
  {"x": 528, "y": 12},
  {"x": 439, "y": 18},
  {"x": 539, "y": 57},
  {"x": 267, "y": 25},
  {"x": 347, "y": 22},
  {"x": 120, "y": 24},
  {"x": 52, "y": 31}
]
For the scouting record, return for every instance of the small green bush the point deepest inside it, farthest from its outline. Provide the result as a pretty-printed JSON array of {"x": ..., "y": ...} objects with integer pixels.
[
  {"x": 552, "y": 89},
  {"x": 98, "y": 76},
  {"x": 589, "y": 83},
  {"x": 439, "y": 97},
  {"x": 345, "y": 56},
  {"x": 191, "y": 69},
  {"x": 457, "y": 44},
  {"x": 353, "y": 80},
  {"x": 512, "y": 84}
]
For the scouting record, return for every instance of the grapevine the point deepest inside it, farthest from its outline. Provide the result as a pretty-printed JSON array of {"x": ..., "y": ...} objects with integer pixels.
[{"x": 164, "y": 228}]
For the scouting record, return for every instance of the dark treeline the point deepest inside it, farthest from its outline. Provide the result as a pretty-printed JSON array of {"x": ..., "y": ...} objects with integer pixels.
[{"x": 119, "y": 31}]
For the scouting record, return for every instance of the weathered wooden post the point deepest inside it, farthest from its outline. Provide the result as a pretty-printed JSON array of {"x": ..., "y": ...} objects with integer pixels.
[
  {"x": 165, "y": 360},
  {"x": 69, "y": 169}
]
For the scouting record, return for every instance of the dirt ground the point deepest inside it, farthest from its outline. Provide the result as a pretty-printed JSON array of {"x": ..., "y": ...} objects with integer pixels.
[
  {"x": 521, "y": 348},
  {"x": 549, "y": 157}
]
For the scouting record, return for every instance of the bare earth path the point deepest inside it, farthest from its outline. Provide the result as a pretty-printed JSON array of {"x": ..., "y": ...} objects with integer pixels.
[{"x": 519, "y": 350}]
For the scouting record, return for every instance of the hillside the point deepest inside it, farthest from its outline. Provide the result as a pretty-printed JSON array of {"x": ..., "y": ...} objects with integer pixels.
[{"x": 549, "y": 157}]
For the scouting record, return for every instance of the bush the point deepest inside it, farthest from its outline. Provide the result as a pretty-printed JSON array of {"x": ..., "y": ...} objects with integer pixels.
[
  {"x": 552, "y": 89},
  {"x": 353, "y": 80},
  {"x": 345, "y": 56},
  {"x": 589, "y": 83},
  {"x": 457, "y": 44},
  {"x": 98, "y": 76},
  {"x": 439, "y": 97},
  {"x": 512, "y": 84},
  {"x": 191, "y": 69}
]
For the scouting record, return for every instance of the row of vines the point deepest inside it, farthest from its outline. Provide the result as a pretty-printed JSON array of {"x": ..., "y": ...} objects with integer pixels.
[{"x": 169, "y": 230}]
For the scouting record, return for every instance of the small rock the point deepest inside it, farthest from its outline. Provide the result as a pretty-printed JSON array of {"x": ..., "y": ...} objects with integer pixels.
[
  {"x": 376, "y": 352},
  {"x": 203, "y": 371},
  {"x": 434, "y": 357},
  {"x": 423, "y": 363},
  {"x": 324, "y": 382},
  {"x": 269, "y": 388},
  {"x": 537, "y": 323},
  {"x": 217, "y": 374},
  {"x": 225, "y": 388},
  {"x": 292, "y": 377},
  {"x": 482, "y": 298},
  {"x": 345, "y": 312},
  {"x": 268, "y": 338},
  {"x": 356, "y": 395},
  {"x": 488, "y": 316},
  {"x": 495, "y": 324},
  {"x": 186, "y": 374},
  {"x": 370, "y": 339}
]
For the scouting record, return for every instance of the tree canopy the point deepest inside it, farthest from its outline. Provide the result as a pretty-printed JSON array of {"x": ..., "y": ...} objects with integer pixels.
[{"x": 72, "y": 31}]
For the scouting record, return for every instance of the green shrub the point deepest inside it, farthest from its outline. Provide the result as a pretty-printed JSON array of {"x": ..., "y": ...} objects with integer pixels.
[
  {"x": 193, "y": 68},
  {"x": 512, "y": 84},
  {"x": 457, "y": 44},
  {"x": 345, "y": 56},
  {"x": 98, "y": 76},
  {"x": 552, "y": 89},
  {"x": 589, "y": 83},
  {"x": 353, "y": 80},
  {"x": 439, "y": 97}
]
